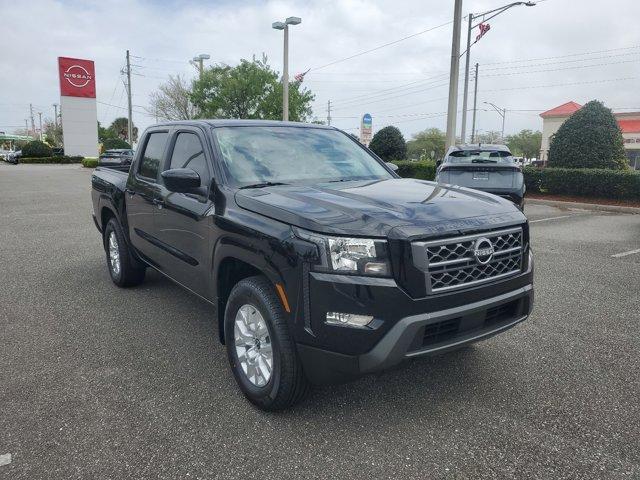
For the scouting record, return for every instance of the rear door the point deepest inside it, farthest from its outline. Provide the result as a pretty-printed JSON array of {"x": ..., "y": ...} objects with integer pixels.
[
  {"x": 184, "y": 223},
  {"x": 143, "y": 194}
]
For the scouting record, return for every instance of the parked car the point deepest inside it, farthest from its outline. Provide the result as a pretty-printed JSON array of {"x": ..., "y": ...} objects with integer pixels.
[
  {"x": 489, "y": 168},
  {"x": 322, "y": 264},
  {"x": 14, "y": 157},
  {"x": 117, "y": 157}
]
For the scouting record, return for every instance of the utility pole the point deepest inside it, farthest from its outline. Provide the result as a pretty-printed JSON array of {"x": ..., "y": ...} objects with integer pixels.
[
  {"x": 40, "y": 122},
  {"x": 26, "y": 125},
  {"x": 463, "y": 131},
  {"x": 130, "y": 122},
  {"x": 452, "y": 108},
  {"x": 55, "y": 115},
  {"x": 475, "y": 103},
  {"x": 328, "y": 112},
  {"x": 33, "y": 123}
]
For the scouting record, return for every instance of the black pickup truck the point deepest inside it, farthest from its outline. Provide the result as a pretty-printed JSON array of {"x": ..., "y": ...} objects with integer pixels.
[{"x": 322, "y": 263}]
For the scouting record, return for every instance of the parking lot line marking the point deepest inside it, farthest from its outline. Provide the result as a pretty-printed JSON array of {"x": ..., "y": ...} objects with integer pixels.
[
  {"x": 5, "y": 459},
  {"x": 624, "y": 254},
  {"x": 550, "y": 218}
]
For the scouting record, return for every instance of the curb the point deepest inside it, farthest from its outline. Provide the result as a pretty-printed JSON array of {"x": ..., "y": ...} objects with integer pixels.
[{"x": 584, "y": 206}]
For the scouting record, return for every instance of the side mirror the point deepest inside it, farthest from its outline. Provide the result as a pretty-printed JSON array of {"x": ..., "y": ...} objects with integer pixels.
[
  {"x": 181, "y": 179},
  {"x": 392, "y": 166},
  {"x": 438, "y": 163}
]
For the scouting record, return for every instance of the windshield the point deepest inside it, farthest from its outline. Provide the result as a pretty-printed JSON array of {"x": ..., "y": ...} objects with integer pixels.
[
  {"x": 480, "y": 156},
  {"x": 293, "y": 154}
]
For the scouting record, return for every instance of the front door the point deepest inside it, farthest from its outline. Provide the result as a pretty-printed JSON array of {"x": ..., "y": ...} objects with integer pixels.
[
  {"x": 142, "y": 196},
  {"x": 184, "y": 222}
]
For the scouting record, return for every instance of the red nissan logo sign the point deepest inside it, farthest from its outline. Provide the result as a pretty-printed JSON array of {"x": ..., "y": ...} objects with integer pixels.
[{"x": 77, "y": 77}]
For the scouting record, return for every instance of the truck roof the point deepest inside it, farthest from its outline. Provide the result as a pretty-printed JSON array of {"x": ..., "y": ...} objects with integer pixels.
[{"x": 226, "y": 122}]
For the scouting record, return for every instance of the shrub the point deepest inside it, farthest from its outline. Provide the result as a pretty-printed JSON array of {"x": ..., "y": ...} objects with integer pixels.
[
  {"x": 389, "y": 144},
  {"x": 110, "y": 143},
  {"x": 584, "y": 182},
  {"x": 90, "y": 162},
  {"x": 61, "y": 160},
  {"x": 423, "y": 170},
  {"x": 590, "y": 138},
  {"x": 36, "y": 148}
]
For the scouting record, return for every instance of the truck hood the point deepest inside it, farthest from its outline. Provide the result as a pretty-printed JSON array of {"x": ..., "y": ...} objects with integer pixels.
[{"x": 394, "y": 208}]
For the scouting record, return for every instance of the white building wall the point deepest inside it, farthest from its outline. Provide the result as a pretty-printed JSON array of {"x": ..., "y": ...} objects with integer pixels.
[
  {"x": 79, "y": 126},
  {"x": 550, "y": 126}
]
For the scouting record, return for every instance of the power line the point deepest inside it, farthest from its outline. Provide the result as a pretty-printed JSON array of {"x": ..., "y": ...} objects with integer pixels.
[
  {"x": 559, "y": 69},
  {"x": 563, "y": 56},
  {"x": 381, "y": 46}
]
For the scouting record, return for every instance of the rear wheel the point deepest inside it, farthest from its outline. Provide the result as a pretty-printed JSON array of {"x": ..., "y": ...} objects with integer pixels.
[
  {"x": 261, "y": 352},
  {"x": 125, "y": 271}
]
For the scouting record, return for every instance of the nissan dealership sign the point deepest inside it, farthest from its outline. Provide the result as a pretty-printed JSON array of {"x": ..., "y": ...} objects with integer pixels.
[{"x": 78, "y": 106}]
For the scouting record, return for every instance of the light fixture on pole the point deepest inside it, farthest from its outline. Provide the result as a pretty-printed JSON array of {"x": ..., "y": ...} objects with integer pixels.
[
  {"x": 285, "y": 68},
  {"x": 503, "y": 113},
  {"x": 198, "y": 62},
  {"x": 485, "y": 16}
]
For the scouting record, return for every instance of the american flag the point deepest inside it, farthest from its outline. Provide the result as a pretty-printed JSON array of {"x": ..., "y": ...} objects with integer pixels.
[
  {"x": 300, "y": 76},
  {"x": 484, "y": 28}
]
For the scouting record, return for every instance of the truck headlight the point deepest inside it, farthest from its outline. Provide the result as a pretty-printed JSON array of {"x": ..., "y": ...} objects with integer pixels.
[{"x": 364, "y": 256}]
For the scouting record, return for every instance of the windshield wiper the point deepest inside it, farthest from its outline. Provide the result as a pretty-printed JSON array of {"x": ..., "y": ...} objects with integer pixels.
[
  {"x": 262, "y": 185},
  {"x": 483, "y": 160}
]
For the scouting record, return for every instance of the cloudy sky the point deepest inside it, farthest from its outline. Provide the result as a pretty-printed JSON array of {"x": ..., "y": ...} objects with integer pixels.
[{"x": 532, "y": 59}]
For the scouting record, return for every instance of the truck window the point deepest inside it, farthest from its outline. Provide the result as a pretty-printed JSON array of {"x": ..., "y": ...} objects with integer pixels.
[
  {"x": 152, "y": 155},
  {"x": 188, "y": 153}
]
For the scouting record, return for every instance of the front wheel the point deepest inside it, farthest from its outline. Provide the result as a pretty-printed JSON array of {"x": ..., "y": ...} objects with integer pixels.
[{"x": 261, "y": 352}]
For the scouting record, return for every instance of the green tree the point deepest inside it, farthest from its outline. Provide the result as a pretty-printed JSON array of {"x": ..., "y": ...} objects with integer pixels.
[
  {"x": 489, "y": 137},
  {"x": 105, "y": 133},
  {"x": 249, "y": 90},
  {"x": 111, "y": 143},
  {"x": 389, "y": 144},
  {"x": 36, "y": 148},
  {"x": 590, "y": 138},
  {"x": 525, "y": 144},
  {"x": 423, "y": 143},
  {"x": 120, "y": 127},
  {"x": 53, "y": 133}
]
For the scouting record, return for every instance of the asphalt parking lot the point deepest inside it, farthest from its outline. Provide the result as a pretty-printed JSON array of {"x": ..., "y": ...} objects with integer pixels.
[{"x": 97, "y": 382}]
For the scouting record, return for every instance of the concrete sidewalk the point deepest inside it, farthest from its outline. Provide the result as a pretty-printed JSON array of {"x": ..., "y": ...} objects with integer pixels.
[{"x": 583, "y": 206}]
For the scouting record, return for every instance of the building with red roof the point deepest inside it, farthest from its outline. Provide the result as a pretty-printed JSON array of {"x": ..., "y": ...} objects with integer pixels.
[{"x": 629, "y": 123}]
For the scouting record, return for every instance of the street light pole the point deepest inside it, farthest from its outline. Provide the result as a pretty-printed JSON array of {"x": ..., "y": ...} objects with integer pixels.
[
  {"x": 503, "y": 113},
  {"x": 199, "y": 62},
  {"x": 285, "y": 64},
  {"x": 488, "y": 15},
  {"x": 452, "y": 108}
]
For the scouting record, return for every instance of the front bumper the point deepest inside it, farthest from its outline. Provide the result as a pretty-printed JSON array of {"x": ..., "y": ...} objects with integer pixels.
[{"x": 405, "y": 327}]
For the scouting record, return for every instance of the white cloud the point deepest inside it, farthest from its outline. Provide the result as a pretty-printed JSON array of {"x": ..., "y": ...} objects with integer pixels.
[{"x": 36, "y": 34}]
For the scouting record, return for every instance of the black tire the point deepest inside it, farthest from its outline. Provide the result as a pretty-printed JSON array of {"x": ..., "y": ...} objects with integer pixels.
[
  {"x": 131, "y": 271},
  {"x": 288, "y": 384}
]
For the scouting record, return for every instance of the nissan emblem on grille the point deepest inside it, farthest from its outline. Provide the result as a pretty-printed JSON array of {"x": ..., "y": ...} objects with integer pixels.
[
  {"x": 464, "y": 261},
  {"x": 483, "y": 250}
]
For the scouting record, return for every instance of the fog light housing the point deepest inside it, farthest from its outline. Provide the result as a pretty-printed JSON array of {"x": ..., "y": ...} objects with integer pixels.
[{"x": 348, "y": 319}]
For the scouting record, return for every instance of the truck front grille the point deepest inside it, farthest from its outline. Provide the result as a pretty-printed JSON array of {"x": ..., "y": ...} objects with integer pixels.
[{"x": 459, "y": 262}]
